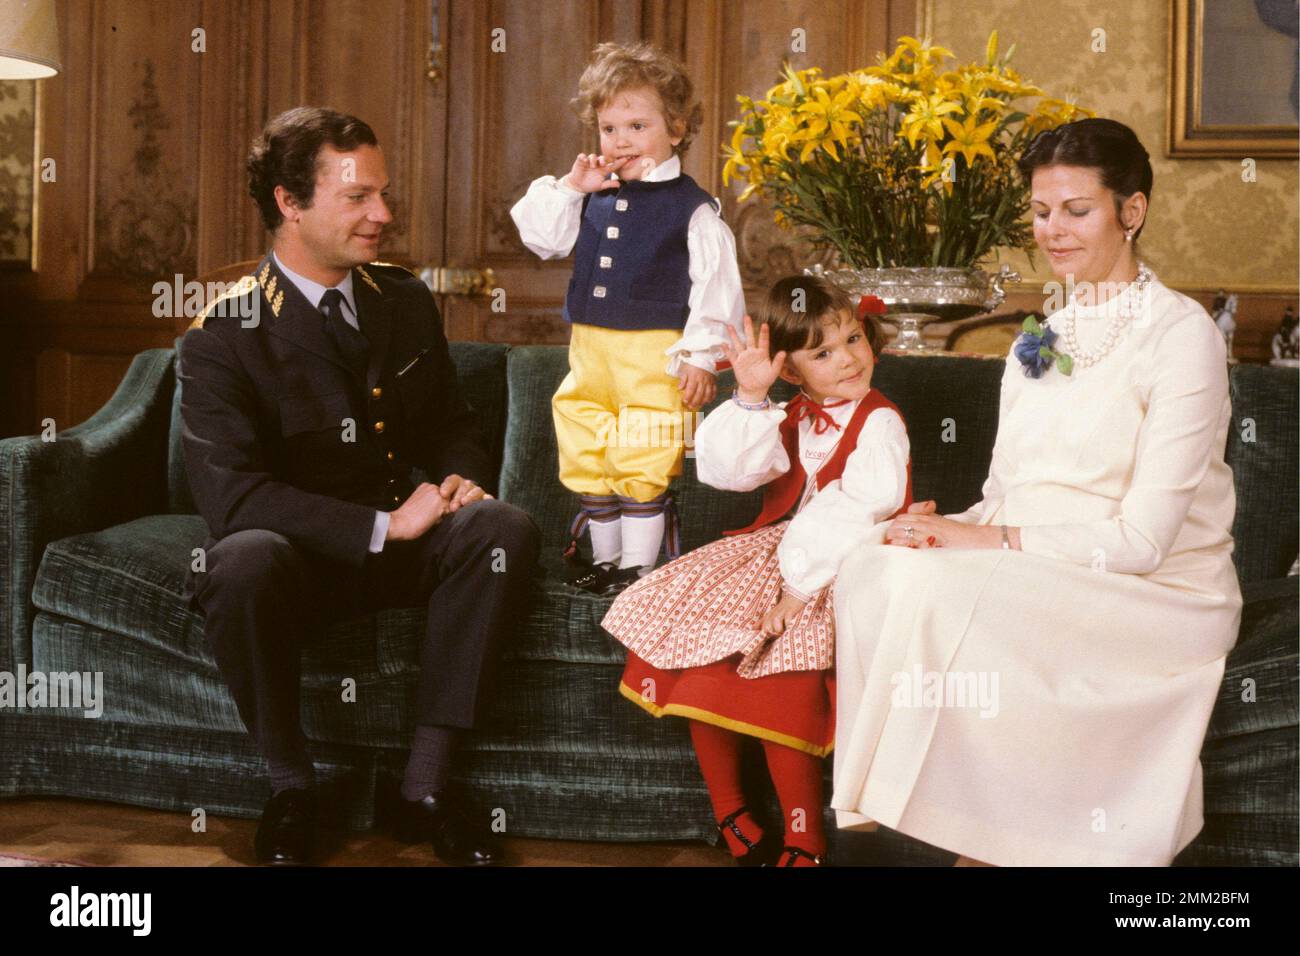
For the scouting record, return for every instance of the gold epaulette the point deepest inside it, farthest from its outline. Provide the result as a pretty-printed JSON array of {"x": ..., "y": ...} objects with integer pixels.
[
  {"x": 366, "y": 277},
  {"x": 394, "y": 265},
  {"x": 241, "y": 288}
]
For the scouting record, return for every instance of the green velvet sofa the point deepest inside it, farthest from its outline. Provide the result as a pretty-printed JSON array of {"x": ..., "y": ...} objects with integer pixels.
[{"x": 97, "y": 526}]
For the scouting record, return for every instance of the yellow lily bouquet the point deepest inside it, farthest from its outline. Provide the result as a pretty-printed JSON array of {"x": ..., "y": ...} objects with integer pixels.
[{"x": 899, "y": 164}]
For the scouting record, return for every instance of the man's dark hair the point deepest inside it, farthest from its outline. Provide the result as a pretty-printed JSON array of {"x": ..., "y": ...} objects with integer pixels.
[{"x": 285, "y": 154}]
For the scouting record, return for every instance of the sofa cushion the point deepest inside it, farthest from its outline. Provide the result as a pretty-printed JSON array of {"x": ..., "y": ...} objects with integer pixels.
[
  {"x": 128, "y": 580},
  {"x": 480, "y": 370},
  {"x": 1259, "y": 689}
]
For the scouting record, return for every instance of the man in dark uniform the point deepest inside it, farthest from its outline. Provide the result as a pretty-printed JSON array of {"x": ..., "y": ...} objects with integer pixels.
[{"x": 337, "y": 466}]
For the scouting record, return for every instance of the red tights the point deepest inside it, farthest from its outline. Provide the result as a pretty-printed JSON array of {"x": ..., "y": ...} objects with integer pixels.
[{"x": 796, "y": 775}]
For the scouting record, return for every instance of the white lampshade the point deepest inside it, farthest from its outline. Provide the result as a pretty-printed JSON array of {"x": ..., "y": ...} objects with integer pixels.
[{"x": 29, "y": 40}]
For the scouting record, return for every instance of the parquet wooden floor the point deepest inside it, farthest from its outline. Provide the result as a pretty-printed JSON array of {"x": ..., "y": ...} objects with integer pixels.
[{"x": 106, "y": 834}]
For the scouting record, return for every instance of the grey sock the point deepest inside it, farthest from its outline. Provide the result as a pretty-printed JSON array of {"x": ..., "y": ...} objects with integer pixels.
[
  {"x": 429, "y": 763},
  {"x": 293, "y": 774}
]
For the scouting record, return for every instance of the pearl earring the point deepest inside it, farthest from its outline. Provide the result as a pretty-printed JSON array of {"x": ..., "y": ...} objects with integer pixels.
[{"x": 1128, "y": 236}]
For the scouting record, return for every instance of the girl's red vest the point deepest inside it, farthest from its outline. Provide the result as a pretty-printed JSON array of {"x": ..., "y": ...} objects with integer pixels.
[{"x": 783, "y": 493}]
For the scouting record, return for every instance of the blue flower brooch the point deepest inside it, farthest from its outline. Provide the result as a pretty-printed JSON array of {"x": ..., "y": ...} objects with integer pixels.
[{"x": 1034, "y": 349}]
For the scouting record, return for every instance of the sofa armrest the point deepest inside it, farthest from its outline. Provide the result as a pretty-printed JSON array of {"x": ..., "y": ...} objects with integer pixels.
[{"x": 109, "y": 469}]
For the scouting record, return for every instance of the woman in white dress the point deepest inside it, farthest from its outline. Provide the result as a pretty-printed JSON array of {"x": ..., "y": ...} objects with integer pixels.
[{"x": 1029, "y": 682}]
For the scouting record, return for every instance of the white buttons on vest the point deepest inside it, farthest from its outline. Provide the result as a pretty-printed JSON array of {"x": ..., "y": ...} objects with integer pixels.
[
  {"x": 612, "y": 232},
  {"x": 599, "y": 292},
  {"x": 620, "y": 205},
  {"x": 606, "y": 262}
]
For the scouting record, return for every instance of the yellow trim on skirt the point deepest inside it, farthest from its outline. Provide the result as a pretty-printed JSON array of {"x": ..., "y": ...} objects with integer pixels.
[{"x": 739, "y": 726}]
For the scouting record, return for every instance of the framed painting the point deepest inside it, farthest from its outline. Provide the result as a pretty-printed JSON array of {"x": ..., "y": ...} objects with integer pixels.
[{"x": 1234, "y": 79}]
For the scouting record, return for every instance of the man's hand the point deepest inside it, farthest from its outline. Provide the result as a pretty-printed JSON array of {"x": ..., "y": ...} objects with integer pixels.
[
  {"x": 590, "y": 173},
  {"x": 461, "y": 491},
  {"x": 417, "y": 514},
  {"x": 698, "y": 387},
  {"x": 785, "y": 613}
]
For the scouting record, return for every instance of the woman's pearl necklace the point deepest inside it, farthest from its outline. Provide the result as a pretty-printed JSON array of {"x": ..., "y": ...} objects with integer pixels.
[{"x": 1131, "y": 302}]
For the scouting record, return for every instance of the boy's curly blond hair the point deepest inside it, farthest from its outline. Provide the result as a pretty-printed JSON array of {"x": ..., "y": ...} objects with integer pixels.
[{"x": 616, "y": 67}]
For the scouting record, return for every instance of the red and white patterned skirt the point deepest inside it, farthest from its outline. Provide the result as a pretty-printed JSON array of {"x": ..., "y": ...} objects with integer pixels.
[{"x": 695, "y": 648}]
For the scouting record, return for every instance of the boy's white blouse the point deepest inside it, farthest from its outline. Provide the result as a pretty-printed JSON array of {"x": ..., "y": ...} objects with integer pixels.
[
  {"x": 548, "y": 218},
  {"x": 738, "y": 449}
]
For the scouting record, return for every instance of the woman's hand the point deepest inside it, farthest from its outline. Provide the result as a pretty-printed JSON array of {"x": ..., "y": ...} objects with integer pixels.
[
  {"x": 930, "y": 530},
  {"x": 590, "y": 173},
  {"x": 755, "y": 371},
  {"x": 785, "y": 613}
]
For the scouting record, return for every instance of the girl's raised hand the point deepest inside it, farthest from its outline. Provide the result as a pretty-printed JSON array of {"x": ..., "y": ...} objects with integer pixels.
[
  {"x": 755, "y": 370},
  {"x": 590, "y": 173}
]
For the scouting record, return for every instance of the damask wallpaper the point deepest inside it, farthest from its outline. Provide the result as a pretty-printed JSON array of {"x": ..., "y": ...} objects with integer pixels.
[
  {"x": 1206, "y": 227},
  {"x": 17, "y": 108}
]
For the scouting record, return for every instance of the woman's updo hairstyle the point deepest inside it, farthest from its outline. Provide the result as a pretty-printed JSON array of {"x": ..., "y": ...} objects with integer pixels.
[{"x": 1105, "y": 145}]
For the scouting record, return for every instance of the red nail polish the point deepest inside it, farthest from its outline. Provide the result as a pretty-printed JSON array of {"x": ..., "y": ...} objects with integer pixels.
[{"x": 930, "y": 540}]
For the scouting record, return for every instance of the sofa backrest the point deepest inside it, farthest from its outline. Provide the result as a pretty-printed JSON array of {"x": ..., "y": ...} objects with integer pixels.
[
  {"x": 480, "y": 368},
  {"x": 951, "y": 408},
  {"x": 1264, "y": 454}
]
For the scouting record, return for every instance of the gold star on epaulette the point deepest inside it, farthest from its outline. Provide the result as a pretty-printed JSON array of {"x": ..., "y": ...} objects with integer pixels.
[
  {"x": 365, "y": 277},
  {"x": 241, "y": 288}
]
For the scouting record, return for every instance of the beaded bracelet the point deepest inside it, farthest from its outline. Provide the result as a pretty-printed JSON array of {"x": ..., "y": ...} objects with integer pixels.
[{"x": 751, "y": 407}]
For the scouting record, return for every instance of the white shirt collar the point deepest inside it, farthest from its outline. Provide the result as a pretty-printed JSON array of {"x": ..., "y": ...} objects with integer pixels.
[
  {"x": 313, "y": 291},
  {"x": 670, "y": 168}
]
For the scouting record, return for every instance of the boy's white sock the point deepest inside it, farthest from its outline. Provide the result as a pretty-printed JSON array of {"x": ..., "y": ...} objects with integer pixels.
[
  {"x": 606, "y": 540},
  {"x": 642, "y": 538}
]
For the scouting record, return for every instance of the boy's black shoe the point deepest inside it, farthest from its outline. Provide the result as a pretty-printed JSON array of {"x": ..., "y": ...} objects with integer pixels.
[
  {"x": 619, "y": 580},
  {"x": 591, "y": 577}
]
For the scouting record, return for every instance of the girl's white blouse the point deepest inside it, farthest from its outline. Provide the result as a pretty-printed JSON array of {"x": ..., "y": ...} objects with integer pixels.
[{"x": 738, "y": 449}]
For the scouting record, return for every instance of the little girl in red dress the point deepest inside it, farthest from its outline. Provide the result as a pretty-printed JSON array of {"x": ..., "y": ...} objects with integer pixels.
[{"x": 739, "y": 635}]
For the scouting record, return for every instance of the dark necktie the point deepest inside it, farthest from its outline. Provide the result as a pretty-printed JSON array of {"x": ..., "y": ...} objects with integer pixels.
[{"x": 352, "y": 345}]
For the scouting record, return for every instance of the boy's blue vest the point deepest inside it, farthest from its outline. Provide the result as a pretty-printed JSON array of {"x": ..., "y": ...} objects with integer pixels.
[{"x": 632, "y": 268}]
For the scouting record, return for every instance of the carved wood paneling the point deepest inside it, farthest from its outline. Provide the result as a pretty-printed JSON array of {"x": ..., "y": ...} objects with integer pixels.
[
  {"x": 145, "y": 143},
  {"x": 150, "y": 140},
  {"x": 512, "y": 124}
]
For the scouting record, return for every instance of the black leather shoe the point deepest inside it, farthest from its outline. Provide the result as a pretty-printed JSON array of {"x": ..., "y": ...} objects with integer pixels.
[
  {"x": 592, "y": 577},
  {"x": 286, "y": 835},
  {"x": 456, "y": 839},
  {"x": 620, "y": 579},
  {"x": 790, "y": 854},
  {"x": 762, "y": 853}
]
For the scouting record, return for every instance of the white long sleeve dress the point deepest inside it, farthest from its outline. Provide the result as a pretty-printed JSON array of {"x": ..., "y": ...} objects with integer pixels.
[{"x": 1048, "y": 706}]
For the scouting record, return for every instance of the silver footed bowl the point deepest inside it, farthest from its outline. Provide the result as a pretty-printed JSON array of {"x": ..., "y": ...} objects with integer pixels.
[{"x": 916, "y": 295}]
